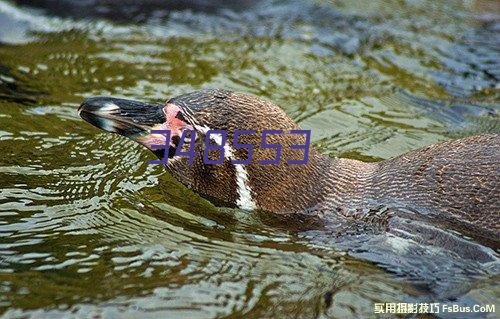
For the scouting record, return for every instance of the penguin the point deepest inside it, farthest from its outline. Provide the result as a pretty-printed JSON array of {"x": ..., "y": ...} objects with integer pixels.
[{"x": 454, "y": 184}]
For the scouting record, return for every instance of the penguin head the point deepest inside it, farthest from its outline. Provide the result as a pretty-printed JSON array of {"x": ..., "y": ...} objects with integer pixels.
[{"x": 234, "y": 149}]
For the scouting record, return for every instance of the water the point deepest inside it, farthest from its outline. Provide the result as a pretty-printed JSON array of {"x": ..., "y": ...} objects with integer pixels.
[{"x": 87, "y": 228}]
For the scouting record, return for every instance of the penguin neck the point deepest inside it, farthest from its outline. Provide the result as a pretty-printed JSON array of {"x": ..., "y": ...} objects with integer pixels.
[{"x": 321, "y": 183}]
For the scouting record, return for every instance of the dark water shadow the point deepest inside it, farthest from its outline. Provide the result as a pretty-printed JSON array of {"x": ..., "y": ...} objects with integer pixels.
[{"x": 135, "y": 11}]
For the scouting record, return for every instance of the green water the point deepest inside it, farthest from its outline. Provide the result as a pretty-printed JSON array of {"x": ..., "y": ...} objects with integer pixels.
[{"x": 88, "y": 229}]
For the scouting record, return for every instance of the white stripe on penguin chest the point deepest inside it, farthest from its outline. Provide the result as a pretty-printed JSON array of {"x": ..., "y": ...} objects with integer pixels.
[{"x": 244, "y": 200}]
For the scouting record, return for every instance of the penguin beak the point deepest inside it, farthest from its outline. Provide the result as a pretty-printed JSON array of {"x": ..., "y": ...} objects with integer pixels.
[
  {"x": 125, "y": 117},
  {"x": 131, "y": 119}
]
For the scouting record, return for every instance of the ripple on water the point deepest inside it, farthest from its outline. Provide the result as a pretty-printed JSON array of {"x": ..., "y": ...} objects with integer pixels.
[{"x": 85, "y": 228}]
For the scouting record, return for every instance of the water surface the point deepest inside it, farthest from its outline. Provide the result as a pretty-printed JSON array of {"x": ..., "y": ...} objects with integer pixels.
[{"x": 87, "y": 228}]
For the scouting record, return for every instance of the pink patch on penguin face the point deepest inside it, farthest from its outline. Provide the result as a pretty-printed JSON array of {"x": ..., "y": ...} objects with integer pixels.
[{"x": 172, "y": 123}]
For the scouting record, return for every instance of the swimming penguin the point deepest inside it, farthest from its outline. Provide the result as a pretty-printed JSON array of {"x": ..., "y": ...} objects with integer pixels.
[{"x": 455, "y": 183}]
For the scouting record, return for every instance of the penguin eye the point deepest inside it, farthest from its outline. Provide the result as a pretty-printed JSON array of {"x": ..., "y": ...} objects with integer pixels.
[{"x": 181, "y": 117}]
